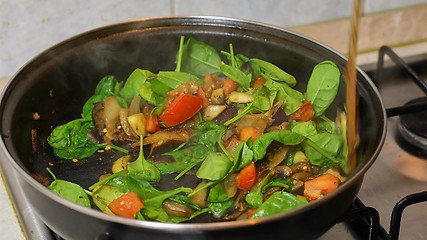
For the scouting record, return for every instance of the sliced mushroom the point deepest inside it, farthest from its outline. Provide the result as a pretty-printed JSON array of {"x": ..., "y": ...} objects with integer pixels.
[
  {"x": 121, "y": 163},
  {"x": 176, "y": 209},
  {"x": 217, "y": 96},
  {"x": 259, "y": 121},
  {"x": 137, "y": 123},
  {"x": 230, "y": 185},
  {"x": 240, "y": 97},
  {"x": 212, "y": 111},
  {"x": 282, "y": 171},
  {"x": 123, "y": 115},
  {"x": 238, "y": 208},
  {"x": 199, "y": 198}
]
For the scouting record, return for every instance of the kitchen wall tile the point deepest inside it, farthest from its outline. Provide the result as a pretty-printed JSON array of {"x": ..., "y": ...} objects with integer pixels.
[
  {"x": 370, "y": 6},
  {"x": 282, "y": 13},
  {"x": 393, "y": 28},
  {"x": 29, "y": 27}
]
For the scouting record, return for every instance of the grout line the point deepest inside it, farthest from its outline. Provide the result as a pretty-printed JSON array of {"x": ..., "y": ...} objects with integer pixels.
[{"x": 393, "y": 28}]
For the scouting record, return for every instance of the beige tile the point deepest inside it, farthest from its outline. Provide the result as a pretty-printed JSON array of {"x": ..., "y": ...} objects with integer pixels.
[{"x": 394, "y": 28}]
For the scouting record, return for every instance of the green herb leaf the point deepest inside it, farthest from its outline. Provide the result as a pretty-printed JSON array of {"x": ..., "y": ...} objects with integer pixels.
[
  {"x": 134, "y": 82},
  {"x": 285, "y": 137},
  {"x": 243, "y": 79},
  {"x": 323, "y": 149},
  {"x": 219, "y": 209},
  {"x": 271, "y": 71},
  {"x": 175, "y": 79},
  {"x": 214, "y": 167},
  {"x": 199, "y": 58},
  {"x": 69, "y": 191},
  {"x": 217, "y": 193},
  {"x": 293, "y": 98},
  {"x": 277, "y": 203},
  {"x": 142, "y": 168},
  {"x": 322, "y": 87},
  {"x": 71, "y": 140},
  {"x": 150, "y": 196},
  {"x": 107, "y": 86}
]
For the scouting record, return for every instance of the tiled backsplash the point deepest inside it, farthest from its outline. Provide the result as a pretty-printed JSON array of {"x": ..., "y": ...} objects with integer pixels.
[{"x": 29, "y": 27}]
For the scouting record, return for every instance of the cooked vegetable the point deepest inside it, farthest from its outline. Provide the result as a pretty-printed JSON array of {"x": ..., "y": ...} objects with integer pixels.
[
  {"x": 152, "y": 123},
  {"x": 277, "y": 203},
  {"x": 181, "y": 109},
  {"x": 69, "y": 191},
  {"x": 127, "y": 205},
  {"x": 143, "y": 168},
  {"x": 246, "y": 177},
  {"x": 318, "y": 187},
  {"x": 229, "y": 137},
  {"x": 247, "y": 133},
  {"x": 229, "y": 86}
]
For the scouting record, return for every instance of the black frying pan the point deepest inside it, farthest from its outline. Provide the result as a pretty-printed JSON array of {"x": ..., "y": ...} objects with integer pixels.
[{"x": 56, "y": 83}]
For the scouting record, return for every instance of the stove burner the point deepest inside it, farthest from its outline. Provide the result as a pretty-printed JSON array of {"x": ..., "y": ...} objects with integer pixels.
[{"x": 412, "y": 128}]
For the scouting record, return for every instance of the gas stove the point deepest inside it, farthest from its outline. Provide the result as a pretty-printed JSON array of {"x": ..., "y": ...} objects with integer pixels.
[{"x": 392, "y": 201}]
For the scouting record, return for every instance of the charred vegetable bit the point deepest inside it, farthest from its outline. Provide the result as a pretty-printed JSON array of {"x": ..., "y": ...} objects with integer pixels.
[{"x": 225, "y": 136}]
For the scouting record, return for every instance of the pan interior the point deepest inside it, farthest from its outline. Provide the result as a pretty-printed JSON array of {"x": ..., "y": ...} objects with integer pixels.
[{"x": 55, "y": 84}]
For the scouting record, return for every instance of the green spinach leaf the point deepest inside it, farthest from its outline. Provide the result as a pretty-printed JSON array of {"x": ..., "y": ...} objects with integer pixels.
[
  {"x": 143, "y": 168},
  {"x": 150, "y": 196},
  {"x": 69, "y": 191},
  {"x": 323, "y": 149},
  {"x": 307, "y": 129},
  {"x": 255, "y": 196},
  {"x": 293, "y": 98},
  {"x": 277, "y": 203},
  {"x": 71, "y": 140},
  {"x": 175, "y": 79},
  {"x": 134, "y": 82},
  {"x": 234, "y": 71},
  {"x": 214, "y": 167},
  {"x": 199, "y": 58},
  {"x": 217, "y": 193},
  {"x": 107, "y": 86},
  {"x": 285, "y": 137},
  {"x": 271, "y": 71},
  {"x": 219, "y": 209},
  {"x": 237, "y": 75},
  {"x": 322, "y": 87},
  {"x": 204, "y": 138}
]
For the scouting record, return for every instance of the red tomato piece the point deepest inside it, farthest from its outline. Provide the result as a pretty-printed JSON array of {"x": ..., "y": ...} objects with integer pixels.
[
  {"x": 247, "y": 177},
  {"x": 152, "y": 123},
  {"x": 127, "y": 205},
  {"x": 229, "y": 86},
  {"x": 249, "y": 132},
  {"x": 304, "y": 113},
  {"x": 201, "y": 93},
  {"x": 258, "y": 82},
  {"x": 181, "y": 109},
  {"x": 317, "y": 187}
]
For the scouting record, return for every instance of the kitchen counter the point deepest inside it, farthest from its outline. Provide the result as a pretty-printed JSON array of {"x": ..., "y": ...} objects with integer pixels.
[{"x": 9, "y": 224}]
